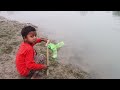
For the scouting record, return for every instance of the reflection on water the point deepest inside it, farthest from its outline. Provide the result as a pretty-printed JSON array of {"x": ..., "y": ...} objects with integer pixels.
[{"x": 116, "y": 15}]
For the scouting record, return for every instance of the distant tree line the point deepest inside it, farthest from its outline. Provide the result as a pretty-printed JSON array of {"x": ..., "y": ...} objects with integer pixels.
[{"x": 116, "y": 13}]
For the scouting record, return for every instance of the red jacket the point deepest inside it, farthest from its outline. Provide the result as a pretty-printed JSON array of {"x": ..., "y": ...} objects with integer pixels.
[{"x": 25, "y": 59}]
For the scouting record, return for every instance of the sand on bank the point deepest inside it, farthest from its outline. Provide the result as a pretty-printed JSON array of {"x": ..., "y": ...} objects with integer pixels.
[{"x": 10, "y": 40}]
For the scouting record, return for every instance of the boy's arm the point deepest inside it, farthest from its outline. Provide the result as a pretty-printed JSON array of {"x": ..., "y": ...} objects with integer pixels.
[
  {"x": 38, "y": 40},
  {"x": 41, "y": 39},
  {"x": 30, "y": 63}
]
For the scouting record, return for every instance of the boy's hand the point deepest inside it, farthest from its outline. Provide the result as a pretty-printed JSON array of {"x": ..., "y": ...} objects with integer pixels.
[
  {"x": 47, "y": 42},
  {"x": 46, "y": 67},
  {"x": 44, "y": 39}
]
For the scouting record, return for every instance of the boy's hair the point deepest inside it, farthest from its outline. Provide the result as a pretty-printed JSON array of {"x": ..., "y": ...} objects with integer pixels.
[{"x": 26, "y": 30}]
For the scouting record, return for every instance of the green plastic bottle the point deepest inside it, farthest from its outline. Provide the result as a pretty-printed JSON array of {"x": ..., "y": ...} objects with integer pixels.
[
  {"x": 59, "y": 45},
  {"x": 54, "y": 48}
]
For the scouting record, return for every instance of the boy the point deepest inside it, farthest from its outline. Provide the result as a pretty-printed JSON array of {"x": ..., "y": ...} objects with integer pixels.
[{"x": 26, "y": 55}]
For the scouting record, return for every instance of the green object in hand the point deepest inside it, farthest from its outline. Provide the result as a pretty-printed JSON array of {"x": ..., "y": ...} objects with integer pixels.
[
  {"x": 59, "y": 45},
  {"x": 54, "y": 48}
]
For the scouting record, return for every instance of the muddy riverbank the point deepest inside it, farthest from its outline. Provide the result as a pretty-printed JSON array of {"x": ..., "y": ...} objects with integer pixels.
[{"x": 10, "y": 40}]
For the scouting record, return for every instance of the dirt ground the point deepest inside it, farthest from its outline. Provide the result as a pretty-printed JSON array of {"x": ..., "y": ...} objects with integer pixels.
[{"x": 10, "y": 39}]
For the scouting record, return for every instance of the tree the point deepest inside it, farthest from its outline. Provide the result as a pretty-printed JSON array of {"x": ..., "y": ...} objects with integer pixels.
[{"x": 116, "y": 13}]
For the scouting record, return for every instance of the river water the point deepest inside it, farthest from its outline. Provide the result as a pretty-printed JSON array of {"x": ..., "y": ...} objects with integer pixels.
[{"x": 92, "y": 38}]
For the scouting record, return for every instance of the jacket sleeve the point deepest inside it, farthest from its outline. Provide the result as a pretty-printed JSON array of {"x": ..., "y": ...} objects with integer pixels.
[
  {"x": 38, "y": 40},
  {"x": 30, "y": 63}
]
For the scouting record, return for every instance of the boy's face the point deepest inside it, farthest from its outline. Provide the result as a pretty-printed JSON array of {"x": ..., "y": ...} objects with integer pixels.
[{"x": 31, "y": 37}]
